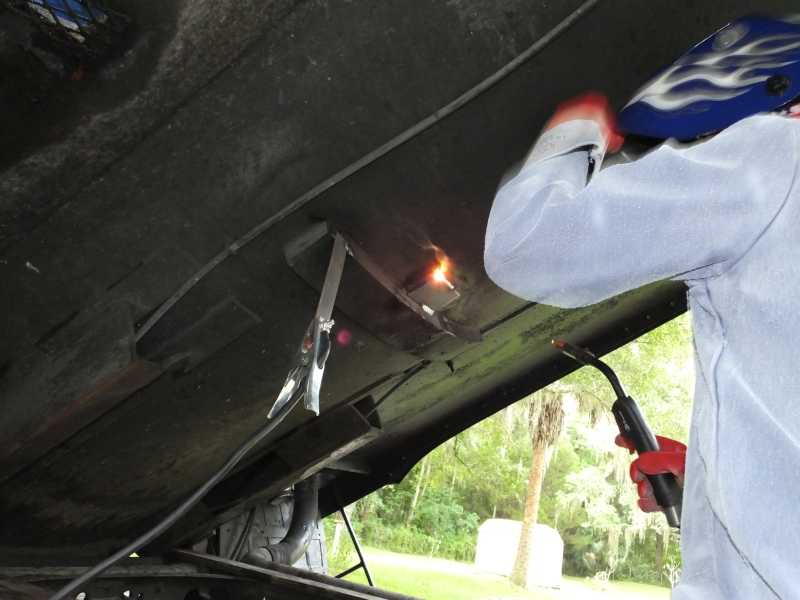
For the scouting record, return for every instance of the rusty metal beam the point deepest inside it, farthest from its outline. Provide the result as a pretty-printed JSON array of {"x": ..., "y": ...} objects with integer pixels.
[{"x": 289, "y": 578}]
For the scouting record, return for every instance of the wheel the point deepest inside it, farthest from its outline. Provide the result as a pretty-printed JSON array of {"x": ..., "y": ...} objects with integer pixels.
[{"x": 268, "y": 523}]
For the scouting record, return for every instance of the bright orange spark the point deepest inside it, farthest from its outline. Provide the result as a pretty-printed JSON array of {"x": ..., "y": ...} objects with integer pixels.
[{"x": 439, "y": 274}]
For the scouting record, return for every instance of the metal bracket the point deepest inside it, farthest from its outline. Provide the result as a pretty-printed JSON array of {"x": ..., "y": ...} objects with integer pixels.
[
  {"x": 438, "y": 320},
  {"x": 315, "y": 346}
]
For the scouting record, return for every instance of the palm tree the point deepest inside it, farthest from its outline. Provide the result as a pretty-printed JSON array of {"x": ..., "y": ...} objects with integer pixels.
[{"x": 546, "y": 418}]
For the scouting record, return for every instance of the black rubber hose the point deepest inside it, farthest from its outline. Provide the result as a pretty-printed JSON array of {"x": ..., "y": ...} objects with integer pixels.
[
  {"x": 74, "y": 586},
  {"x": 304, "y": 519}
]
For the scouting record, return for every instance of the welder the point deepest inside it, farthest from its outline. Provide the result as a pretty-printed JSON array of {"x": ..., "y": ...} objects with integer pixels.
[{"x": 718, "y": 208}]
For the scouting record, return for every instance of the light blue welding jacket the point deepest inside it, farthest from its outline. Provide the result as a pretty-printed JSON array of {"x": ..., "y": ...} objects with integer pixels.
[{"x": 723, "y": 216}]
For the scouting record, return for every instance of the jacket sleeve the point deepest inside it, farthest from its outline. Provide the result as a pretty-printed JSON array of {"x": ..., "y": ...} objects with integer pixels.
[{"x": 675, "y": 213}]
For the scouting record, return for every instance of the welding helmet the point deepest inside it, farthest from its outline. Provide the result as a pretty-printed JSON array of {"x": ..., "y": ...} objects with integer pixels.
[{"x": 750, "y": 66}]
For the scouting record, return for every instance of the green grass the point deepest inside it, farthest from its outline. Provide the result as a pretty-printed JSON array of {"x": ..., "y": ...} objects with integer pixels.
[{"x": 438, "y": 579}]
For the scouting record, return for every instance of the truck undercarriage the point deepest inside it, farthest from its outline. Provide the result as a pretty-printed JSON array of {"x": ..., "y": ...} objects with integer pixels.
[{"x": 157, "y": 190}]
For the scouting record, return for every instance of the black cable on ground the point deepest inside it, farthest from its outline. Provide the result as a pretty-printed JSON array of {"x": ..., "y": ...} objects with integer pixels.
[{"x": 74, "y": 586}]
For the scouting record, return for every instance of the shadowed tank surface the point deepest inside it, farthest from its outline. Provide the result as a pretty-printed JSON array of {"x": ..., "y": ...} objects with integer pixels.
[{"x": 134, "y": 357}]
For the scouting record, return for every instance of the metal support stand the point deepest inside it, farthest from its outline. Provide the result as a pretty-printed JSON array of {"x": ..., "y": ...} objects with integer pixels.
[{"x": 362, "y": 564}]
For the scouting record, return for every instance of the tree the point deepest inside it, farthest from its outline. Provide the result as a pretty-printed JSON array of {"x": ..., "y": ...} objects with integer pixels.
[
  {"x": 596, "y": 500},
  {"x": 486, "y": 471},
  {"x": 546, "y": 420},
  {"x": 420, "y": 489}
]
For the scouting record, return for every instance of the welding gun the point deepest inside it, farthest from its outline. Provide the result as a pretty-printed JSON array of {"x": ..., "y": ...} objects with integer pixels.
[{"x": 632, "y": 425}]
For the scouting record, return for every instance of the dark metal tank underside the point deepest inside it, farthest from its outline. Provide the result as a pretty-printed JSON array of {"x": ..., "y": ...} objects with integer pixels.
[{"x": 117, "y": 187}]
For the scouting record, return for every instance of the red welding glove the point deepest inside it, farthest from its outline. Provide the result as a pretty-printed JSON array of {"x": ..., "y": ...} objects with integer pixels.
[
  {"x": 583, "y": 122},
  {"x": 591, "y": 106},
  {"x": 670, "y": 459}
]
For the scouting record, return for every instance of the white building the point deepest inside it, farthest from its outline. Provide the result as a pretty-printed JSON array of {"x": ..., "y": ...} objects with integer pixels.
[{"x": 497, "y": 550}]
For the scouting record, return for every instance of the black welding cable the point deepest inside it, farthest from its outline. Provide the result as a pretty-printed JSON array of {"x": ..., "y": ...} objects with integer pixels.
[
  {"x": 237, "y": 549},
  {"x": 407, "y": 374},
  {"x": 74, "y": 586},
  {"x": 365, "y": 160}
]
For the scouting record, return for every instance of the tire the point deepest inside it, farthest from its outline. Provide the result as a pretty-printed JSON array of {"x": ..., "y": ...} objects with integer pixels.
[{"x": 270, "y": 522}]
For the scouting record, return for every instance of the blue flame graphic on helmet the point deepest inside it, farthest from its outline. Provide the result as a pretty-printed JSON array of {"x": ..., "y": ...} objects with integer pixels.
[{"x": 750, "y": 66}]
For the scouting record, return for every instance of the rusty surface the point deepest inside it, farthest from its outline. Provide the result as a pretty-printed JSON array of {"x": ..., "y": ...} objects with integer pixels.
[
  {"x": 290, "y": 578},
  {"x": 81, "y": 372},
  {"x": 19, "y": 590}
]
